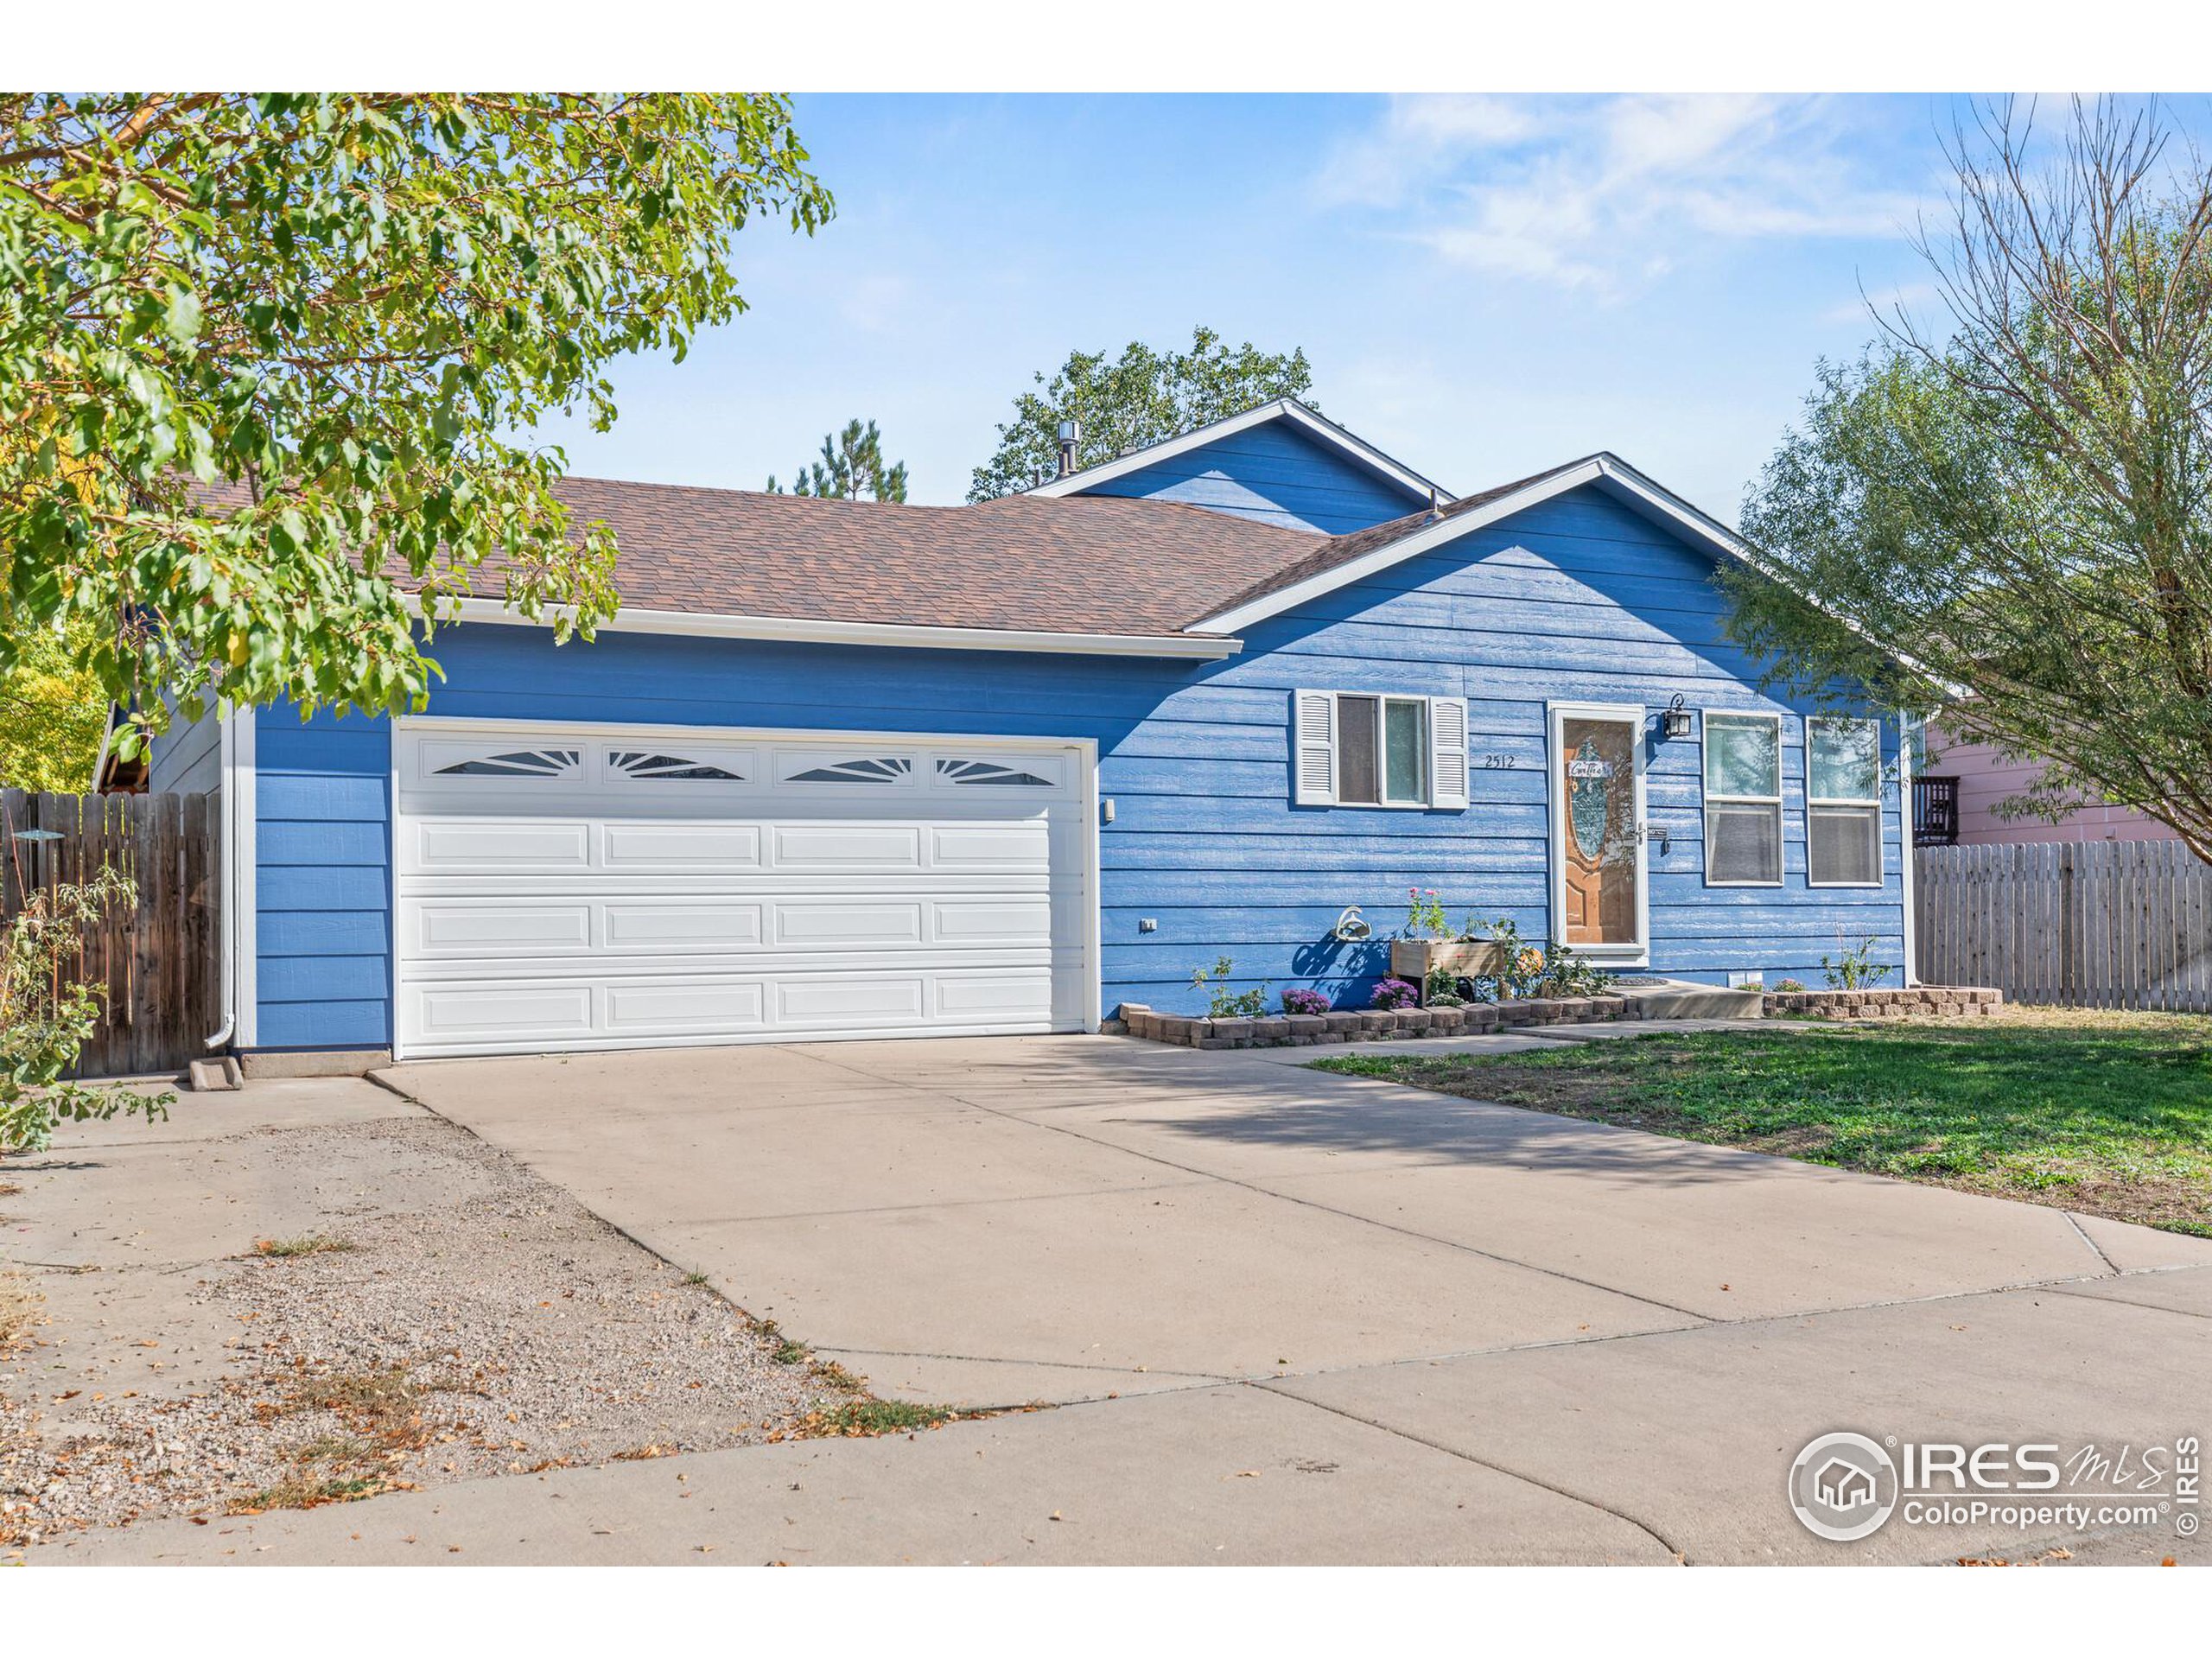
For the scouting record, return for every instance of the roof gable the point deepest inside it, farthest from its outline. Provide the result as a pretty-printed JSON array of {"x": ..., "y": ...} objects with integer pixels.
[
  {"x": 1343, "y": 559},
  {"x": 1280, "y": 463}
]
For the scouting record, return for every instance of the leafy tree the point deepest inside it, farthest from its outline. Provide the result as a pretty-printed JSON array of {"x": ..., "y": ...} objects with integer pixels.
[
  {"x": 2013, "y": 515},
  {"x": 266, "y": 361},
  {"x": 53, "y": 714},
  {"x": 1128, "y": 402},
  {"x": 851, "y": 467}
]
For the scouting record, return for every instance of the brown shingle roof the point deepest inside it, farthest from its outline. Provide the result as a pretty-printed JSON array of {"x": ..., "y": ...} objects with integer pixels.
[
  {"x": 1084, "y": 564},
  {"x": 1070, "y": 564}
]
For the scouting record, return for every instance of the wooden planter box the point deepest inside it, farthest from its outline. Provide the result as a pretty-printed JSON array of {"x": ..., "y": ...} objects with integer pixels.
[{"x": 1413, "y": 959}]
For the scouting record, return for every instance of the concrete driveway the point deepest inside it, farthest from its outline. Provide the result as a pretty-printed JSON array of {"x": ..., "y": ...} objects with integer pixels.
[{"x": 1289, "y": 1316}]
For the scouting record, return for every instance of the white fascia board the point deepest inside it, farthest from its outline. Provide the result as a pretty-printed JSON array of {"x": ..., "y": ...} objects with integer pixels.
[
  {"x": 1318, "y": 426},
  {"x": 1210, "y": 647},
  {"x": 107, "y": 742}
]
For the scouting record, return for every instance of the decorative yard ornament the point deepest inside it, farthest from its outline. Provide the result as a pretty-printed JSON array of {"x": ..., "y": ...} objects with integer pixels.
[
  {"x": 1587, "y": 774},
  {"x": 1351, "y": 927}
]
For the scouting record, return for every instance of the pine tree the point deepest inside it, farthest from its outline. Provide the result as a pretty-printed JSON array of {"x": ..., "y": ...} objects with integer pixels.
[{"x": 851, "y": 467}]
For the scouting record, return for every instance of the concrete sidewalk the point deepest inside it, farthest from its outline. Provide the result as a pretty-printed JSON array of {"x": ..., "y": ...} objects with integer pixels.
[{"x": 1285, "y": 1315}]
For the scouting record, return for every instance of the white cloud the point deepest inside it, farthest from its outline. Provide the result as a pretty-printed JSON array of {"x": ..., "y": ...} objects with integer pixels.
[
  {"x": 1419, "y": 140},
  {"x": 1601, "y": 195}
]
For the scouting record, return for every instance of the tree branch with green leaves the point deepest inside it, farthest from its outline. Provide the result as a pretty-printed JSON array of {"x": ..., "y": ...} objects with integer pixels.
[
  {"x": 271, "y": 365},
  {"x": 2010, "y": 517}
]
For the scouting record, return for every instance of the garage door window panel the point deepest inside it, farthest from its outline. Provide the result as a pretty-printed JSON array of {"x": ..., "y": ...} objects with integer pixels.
[
  {"x": 998, "y": 774},
  {"x": 651, "y": 766},
  {"x": 874, "y": 769},
  {"x": 518, "y": 763}
]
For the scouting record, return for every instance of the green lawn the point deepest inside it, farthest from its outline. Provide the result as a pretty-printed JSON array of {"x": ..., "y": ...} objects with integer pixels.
[{"x": 2107, "y": 1113}]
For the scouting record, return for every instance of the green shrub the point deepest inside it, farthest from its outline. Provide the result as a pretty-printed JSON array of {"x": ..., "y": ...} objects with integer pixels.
[
  {"x": 46, "y": 1018},
  {"x": 1224, "y": 1003},
  {"x": 1854, "y": 970}
]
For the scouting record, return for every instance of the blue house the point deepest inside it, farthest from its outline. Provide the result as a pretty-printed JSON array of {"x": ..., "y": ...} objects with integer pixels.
[{"x": 857, "y": 769}]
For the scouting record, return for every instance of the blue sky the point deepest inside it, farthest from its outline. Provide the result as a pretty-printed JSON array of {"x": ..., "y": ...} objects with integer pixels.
[{"x": 1485, "y": 286}]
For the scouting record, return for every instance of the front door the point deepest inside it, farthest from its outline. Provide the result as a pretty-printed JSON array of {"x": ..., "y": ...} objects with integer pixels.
[{"x": 1598, "y": 838}]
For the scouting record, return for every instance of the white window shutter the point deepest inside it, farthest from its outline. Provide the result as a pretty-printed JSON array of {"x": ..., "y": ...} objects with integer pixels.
[
  {"x": 1313, "y": 748},
  {"x": 1447, "y": 761}
]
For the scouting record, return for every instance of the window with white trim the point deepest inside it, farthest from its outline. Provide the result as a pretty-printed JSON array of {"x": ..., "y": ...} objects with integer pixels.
[
  {"x": 1370, "y": 748},
  {"x": 1743, "y": 800},
  {"x": 1843, "y": 802}
]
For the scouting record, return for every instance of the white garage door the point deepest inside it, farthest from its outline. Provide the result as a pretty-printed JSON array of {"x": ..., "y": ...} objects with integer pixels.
[{"x": 571, "y": 888}]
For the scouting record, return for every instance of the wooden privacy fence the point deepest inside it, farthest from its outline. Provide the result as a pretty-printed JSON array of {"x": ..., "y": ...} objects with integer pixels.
[
  {"x": 2098, "y": 924},
  {"x": 162, "y": 962}
]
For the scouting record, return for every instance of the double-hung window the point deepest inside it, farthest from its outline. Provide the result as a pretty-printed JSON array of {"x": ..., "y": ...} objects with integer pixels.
[
  {"x": 1843, "y": 803},
  {"x": 1743, "y": 800},
  {"x": 1365, "y": 748}
]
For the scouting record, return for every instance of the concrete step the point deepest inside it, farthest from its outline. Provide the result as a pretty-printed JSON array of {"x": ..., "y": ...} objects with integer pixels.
[{"x": 1681, "y": 999}]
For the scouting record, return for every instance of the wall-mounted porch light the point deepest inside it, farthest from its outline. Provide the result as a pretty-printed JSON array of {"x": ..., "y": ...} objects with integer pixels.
[{"x": 1675, "y": 720}]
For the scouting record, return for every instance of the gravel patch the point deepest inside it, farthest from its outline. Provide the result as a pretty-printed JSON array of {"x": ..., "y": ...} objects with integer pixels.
[{"x": 500, "y": 1328}]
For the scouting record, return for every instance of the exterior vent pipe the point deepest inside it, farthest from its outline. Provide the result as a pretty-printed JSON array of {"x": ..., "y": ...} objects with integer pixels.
[{"x": 1070, "y": 436}]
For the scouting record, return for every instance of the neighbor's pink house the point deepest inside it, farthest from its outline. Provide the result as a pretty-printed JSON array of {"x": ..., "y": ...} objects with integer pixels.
[{"x": 1955, "y": 796}]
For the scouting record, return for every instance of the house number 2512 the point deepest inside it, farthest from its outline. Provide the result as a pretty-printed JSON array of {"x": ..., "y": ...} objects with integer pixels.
[{"x": 1498, "y": 763}]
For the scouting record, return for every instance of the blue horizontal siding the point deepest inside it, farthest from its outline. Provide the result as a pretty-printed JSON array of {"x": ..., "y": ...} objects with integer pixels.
[
  {"x": 323, "y": 1024},
  {"x": 309, "y": 797},
  {"x": 319, "y": 933},
  {"x": 324, "y": 841},
  {"x": 1576, "y": 600},
  {"x": 337, "y": 886},
  {"x": 322, "y": 862},
  {"x": 1275, "y": 473},
  {"x": 322, "y": 978}
]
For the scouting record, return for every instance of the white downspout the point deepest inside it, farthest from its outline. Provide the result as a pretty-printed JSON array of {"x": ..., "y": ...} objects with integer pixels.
[
  {"x": 1911, "y": 854},
  {"x": 227, "y": 885}
]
